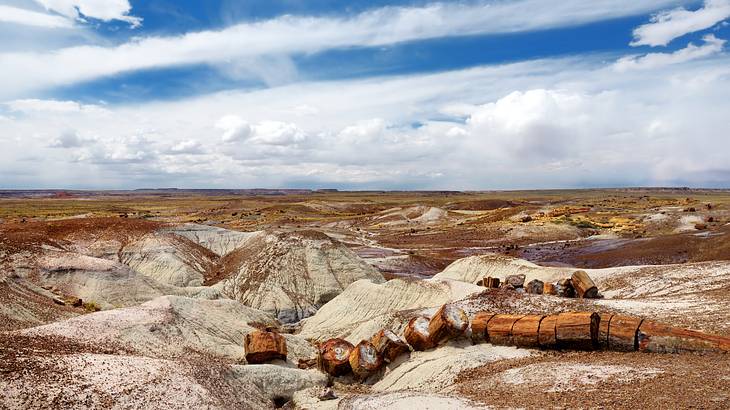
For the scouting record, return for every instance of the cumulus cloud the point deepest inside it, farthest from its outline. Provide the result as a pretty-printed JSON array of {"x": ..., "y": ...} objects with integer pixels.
[
  {"x": 234, "y": 128},
  {"x": 187, "y": 147},
  {"x": 290, "y": 35},
  {"x": 712, "y": 45},
  {"x": 15, "y": 15},
  {"x": 547, "y": 123},
  {"x": 668, "y": 25},
  {"x": 104, "y": 10},
  {"x": 70, "y": 139}
]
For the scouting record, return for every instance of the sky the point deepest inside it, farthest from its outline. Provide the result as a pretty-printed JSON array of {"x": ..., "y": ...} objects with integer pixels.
[{"x": 409, "y": 94}]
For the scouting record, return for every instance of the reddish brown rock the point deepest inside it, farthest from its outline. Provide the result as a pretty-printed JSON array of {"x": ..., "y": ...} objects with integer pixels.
[{"x": 263, "y": 347}]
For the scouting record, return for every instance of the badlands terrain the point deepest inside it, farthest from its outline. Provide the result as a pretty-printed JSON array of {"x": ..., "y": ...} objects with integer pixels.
[{"x": 143, "y": 299}]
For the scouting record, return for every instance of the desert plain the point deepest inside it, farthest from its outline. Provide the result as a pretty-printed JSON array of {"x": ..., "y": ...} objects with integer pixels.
[{"x": 144, "y": 299}]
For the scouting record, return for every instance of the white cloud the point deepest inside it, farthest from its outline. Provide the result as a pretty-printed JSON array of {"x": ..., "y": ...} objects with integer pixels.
[
  {"x": 69, "y": 139},
  {"x": 547, "y": 123},
  {"x": 277, "y": 133},
  {"x": 234, "y": 128},
  {"x": 26, "y": 17},
  {"x": 668, "y": 25},
  {"x": 104, "y": 10},
  {"x": 270, "y": 39},
  {"x": 713, "y": 45},
  {"x": 52, "y": 106}
]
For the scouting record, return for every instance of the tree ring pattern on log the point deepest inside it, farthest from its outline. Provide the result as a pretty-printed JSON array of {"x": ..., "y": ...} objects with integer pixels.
[
  {"x": 416, "y": 333},
  {"x": 334, "y": 356},
  {"x": 448, "y": 322}
]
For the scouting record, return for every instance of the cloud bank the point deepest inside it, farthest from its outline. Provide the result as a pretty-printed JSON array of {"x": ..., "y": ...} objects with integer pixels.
[{"x": 668, "y": 25}]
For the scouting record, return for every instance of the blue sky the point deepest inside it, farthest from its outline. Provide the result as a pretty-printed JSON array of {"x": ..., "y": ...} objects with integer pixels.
[{"x": 479, "y": 94}]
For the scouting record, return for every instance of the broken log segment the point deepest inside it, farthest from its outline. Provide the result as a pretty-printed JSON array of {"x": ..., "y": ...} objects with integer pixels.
[
  {"x": 365, "y": 360},
  {"x": 549, "y": 289},
  {"x": 416, "y": 333},
  {"x": 516, "y": 281},
  {"x": 491, "y": 282},
  {"x": 262, "y": 347},
  {"x": 525, "y": 332},
  {"x": 565, "y": 288},
  {"x": 535, "y": 287},
  {"x": 577, "y": 330},
  {"x": 623, "y": 333},
  {"x": 479, "y": 326},
  {"x": 334, "y": 357},
  {"x": 449, "y": 322},
  {"x": 389, "y": 345},
  {"x": 499, "y": 329},
  {"x": 583, "y": 285},
  {"x": 603, "y": 330},
  {"x": 546, "y": 333},
  {"x": 659, "y": 338}
]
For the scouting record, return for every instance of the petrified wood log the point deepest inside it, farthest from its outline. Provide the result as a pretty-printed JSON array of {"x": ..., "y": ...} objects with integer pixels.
[
  {"x": 389, "y": 345},
  {"x": 546, "y": 336},
  {"x": 623, "y": 332},
  {"x": 525, "y": 332},
  {"x": 577, "y": 330},
  {"x": 365, "y": 360},
  {"x": 334, "y": 357},
  {"x": 262, "y": 347},
  {"x": 659, "y": 338},
  {"x": 479, "y": 326},
  {"x": 491, "y": 282},
  {"x": 603, "y": 330},
  {"x": 535, "y": 287},
  {"x": 549, "y": 289},
  {"x": 565, "y": 288},
  {"x": 449, "y": 322},
  {"x": 416, "y": 333},
  {"x": 516, "y": 281},
  {"x": 499, "y": 329},
  {"x": 583, "y": 285}
]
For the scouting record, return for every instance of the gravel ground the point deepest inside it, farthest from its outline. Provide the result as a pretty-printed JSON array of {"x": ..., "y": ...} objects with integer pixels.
[{"x": 602, "y": 380}]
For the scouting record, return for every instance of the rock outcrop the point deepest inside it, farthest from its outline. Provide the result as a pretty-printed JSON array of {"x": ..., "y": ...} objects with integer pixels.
[
  {"x": 291, "y": 274},
  {"x": 366, "y": 307}
]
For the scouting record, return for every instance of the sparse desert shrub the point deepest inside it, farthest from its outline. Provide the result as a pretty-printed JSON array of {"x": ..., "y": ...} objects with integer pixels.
[{"x": 91, "y": 307}]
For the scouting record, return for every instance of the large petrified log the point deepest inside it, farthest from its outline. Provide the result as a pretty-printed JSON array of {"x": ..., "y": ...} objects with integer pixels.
[
  {"x": 417, "y": 335},
  {"x": 603, "y": 330},
  {"x": 499, "y": 329},
  {"x": 623, "y": 333},
  {"x": 365, "y": 360},
  {"x": 334, "y": 357},
  {"x": 262, "y": 347},
  {"x": 659, "y": 338},
  {"x": 525, "y": 332},
  {"x": 389, "y": 345},
  {"x": 448, "y": 322},
  {"x": 479, "y": 326},
  {"x": 577, "y": 330},
  {"x": 583, "y": 285},
  {"x": 546, "y": 333}
]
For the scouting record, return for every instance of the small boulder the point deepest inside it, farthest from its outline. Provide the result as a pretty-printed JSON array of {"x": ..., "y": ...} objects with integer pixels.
[
  {"x": 535, "y": 287},
  {"x": 517, "y": 281}
]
